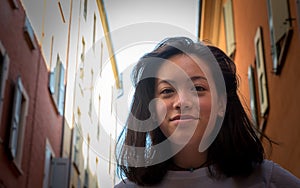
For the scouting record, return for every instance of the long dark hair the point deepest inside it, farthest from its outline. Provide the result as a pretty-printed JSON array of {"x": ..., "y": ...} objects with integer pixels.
[{"x": 234, "y": 152}]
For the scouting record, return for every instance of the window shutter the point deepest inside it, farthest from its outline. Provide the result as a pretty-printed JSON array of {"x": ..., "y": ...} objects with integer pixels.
[
  {"x": 76, "y": 145},
  {"x": 48, "y": 157},
  {"x": 86, "y": 179},
  {"x": 4, "y": 74},
  {"x": 59, "y": 173},
  {"x": 279, "y": 11},
  {"x": 29, "y": 33},
  {"x": 61, "y": 92},
  {"x": 252, "y": 94},
  {"x": 14, "y": 131},
  {"x": 52, "y": 82},
  {"x": 280, "y": 31},
  {"x": 261, "y": 73},
  {"x": 229, "y": 27}
]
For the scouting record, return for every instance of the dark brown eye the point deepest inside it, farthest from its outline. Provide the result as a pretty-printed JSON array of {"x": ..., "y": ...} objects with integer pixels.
[
  {"x": 198, "y": 88},
  {"x": 166, "y": 91}
]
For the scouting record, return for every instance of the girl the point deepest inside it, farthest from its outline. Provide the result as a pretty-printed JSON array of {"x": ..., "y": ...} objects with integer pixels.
[{"x": 187, "y": 126}]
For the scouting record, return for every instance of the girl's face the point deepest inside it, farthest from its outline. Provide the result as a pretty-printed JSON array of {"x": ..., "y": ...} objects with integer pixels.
[{"x": 183, "y": 100}]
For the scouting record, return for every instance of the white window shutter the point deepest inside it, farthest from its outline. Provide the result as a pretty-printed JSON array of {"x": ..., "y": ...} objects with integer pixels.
[
  {"x": 61, "y": 92},
  {"x": 59, "y": 173},
  {"x": 14, "y": 131}
]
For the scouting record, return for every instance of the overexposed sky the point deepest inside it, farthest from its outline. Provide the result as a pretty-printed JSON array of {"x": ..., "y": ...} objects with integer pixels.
[
  {"x": 138, "y": 25},
  {"x": 134, "y": 22},
  {"x": 183, "y": 13}
]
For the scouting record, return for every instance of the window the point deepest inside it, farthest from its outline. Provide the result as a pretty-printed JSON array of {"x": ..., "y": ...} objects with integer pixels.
[
  {"x": 56, "y": 171},
  {"x": 4, "y": 66},
  {"x": 57, "y": 85},
  {"x": 29, "y": 34},
  {"x": 210, "y": 21},
  {"x": 91, "y": 92},
  {"x": 120, "y": 91},
  {"x": 86, "y": 173},
  {"x": 94, "y": 32},
  {"x": 47, "y": 166},
  {"x": 85, "y": 9},
  {"x": 251, "y": 80},
  {"x": 77, "y": 142},
  {"x": 76, "y": 146},
  {"x": 15, "y": 4},
  {"x": 280, "y": 31},
  {"x": 18, "y": 123},
  {"x": 59, "y": 172},
  {"x": 82, "y": 57},
  {"x": 261, "y": 73},
  {"x": 86, "y": 179},
  {"x": 229, "y": 28}
]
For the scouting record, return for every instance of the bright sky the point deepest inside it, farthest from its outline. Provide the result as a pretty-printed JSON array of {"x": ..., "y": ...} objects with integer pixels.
[
  {"x": 137, "y": 26},
  {"x": 129, "y": 24}
]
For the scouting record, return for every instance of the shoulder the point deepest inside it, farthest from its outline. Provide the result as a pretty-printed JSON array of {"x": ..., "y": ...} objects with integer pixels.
[
  {"x": 278, "y": 176},
  {"x": 125, "y": 184}
]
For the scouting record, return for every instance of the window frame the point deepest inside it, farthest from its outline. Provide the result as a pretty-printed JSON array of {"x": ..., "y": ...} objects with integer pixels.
[
  {"x": 16, "y": 139},
  {"x": 252, "y": 91},
  {"x": 29, "y": 34},
  {"x": 229, "y": 28},
  {"x": 49, "y": 154},
  {"x": 261, "y": 72},
  {"x": 4, "y": 68},
  {"x": 56, "y": 85},
  {"x": 85, "y": 9},
  {"x": 280, "y": 32}
]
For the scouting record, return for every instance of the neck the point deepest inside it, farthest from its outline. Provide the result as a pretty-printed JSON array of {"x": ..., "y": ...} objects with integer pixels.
[{"x": 189, "y": 158}]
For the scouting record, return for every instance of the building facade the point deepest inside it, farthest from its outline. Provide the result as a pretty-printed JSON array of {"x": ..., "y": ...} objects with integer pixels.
[
  {"x": 89, "y": 106},
  {"x": 263, "y": 39},
  {"x": 54, "y": 55},
  {"x": 31, "y": 113}
]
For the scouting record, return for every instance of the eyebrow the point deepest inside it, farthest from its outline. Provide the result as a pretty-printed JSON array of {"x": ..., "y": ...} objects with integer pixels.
[
  {"x": 193, "y": 78},
  {"x": 166, "y": 81}
]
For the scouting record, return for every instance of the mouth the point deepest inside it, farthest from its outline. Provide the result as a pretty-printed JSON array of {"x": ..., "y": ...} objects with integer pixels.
[{"x": 184, "y": 118}]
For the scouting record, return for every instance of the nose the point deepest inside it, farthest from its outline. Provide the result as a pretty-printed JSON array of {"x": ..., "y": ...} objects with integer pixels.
[{"x": 183, "y": 100}]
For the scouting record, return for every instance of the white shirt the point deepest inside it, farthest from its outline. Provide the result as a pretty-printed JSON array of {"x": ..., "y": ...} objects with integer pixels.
[{"x": 268, "y": 174}]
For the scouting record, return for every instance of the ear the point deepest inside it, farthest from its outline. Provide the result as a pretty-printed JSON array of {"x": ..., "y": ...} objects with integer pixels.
[{"x": 222, "y": 102}]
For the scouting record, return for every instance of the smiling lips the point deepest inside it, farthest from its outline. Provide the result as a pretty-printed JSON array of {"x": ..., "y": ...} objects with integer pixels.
[{"x": 183, "y": 118}]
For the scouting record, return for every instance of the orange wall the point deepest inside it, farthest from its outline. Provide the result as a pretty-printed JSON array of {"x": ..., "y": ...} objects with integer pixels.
[{"x": 284, "y": 90}]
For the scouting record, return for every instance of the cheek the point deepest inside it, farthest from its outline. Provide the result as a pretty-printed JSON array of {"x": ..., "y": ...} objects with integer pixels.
[
  {"x": 160, "y": 110},
  {"x": 205, "y": 109}
]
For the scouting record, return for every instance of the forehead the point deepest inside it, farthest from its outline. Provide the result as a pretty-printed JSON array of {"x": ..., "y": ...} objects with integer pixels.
[{"x": 180, "y": 66}]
